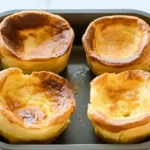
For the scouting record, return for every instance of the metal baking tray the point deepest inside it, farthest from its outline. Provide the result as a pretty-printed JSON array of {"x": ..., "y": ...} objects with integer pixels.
[{"x": 80, "y": 134}]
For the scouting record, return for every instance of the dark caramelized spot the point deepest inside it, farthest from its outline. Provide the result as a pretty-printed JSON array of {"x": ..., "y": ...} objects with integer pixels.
[
  {"x": 115, "y": 93},
  {"x": 137, "y": 76},
  {"x": 52, "y": 84},
  {"x": 130, "y": 75},
  {"x": 120, "y": 93},
  {"x": 18, "y": 23},
  {"x": 126, "y": 115},
  {"x": 49, "y": 82},
  {"x": 31, "y": 115}
]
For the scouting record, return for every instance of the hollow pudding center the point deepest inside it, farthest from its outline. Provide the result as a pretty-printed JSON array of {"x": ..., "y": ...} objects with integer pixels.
[
  {"x": 117, "y": 41},
  {"x": 33, "y": 38},
  {"x": 36, "y": 35},
  {"x": 42, "y": 42},
  {"x": 121, "y": 96},
  {"x": 29, "y": 101}
]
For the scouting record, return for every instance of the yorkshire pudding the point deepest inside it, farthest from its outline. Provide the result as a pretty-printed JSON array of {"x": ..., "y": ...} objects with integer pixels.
[
  {"x": 33, "y": 107},
  {"x": 120, "y": 106},
  {"x": 117, "y": 43},
  {"x": 35, "y": 41}
]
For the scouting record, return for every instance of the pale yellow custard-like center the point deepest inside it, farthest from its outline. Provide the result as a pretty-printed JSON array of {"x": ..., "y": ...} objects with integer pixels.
[
  {"x": 42, "y": 42},
  {"x": 119, "y": 97},
  {"x": 117, "y": 41},
  {"x": 28, "y": 101}
]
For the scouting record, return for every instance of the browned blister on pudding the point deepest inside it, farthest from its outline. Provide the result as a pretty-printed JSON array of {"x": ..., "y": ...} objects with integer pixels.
[
  {"x": 35, "y": 41},
  {"x": 117, "y": 43},
  {"x": 35, "y": 107}
]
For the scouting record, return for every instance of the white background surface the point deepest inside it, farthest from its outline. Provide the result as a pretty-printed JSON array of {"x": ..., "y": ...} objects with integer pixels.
[{"x": 143, "y": 5}]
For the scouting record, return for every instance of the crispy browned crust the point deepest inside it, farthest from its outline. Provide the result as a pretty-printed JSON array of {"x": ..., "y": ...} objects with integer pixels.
[
  {"x": 12, "y": 40},
  {"x": 25, "y": 118},
  {"x": 135, "y": 59},
  {"x": 114, "y": 125},
  {"x": 112, "y": 141}
]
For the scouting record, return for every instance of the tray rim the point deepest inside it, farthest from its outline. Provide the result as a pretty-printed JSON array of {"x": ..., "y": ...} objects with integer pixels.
[
  {"x": 78, "y": 11},
  {"x": 139, "y": 146}
]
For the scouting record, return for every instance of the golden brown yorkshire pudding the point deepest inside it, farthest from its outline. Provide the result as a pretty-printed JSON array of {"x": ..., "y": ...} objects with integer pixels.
[
  {"x": 117, "y": 43},
  {"x": 120, "y": 106},
  {"x": 33, "y": 107},
  {"x": 35, "y": 41}
]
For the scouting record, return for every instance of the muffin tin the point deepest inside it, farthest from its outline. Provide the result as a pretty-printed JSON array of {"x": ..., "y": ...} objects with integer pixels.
[{"x": 80, "y": 134}]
